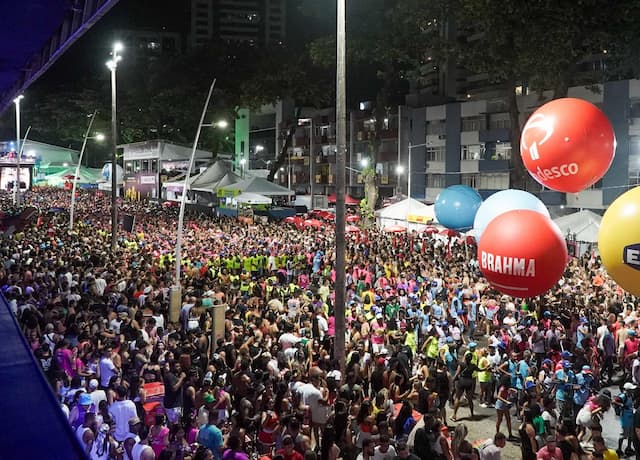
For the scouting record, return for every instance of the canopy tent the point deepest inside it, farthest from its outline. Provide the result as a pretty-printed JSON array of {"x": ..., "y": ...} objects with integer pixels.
[
  {"x": 86, "y": 176},
  {"x": 227, "y": 179},
  {"x": 408, "y": 213},
  {"x": 348, "y": 200},
  {"x": 258, "y": 185},
  {"x": 205, "y": 181},
  {"x": 251, "y": 198},
  {"x": 582, "y": 225}
]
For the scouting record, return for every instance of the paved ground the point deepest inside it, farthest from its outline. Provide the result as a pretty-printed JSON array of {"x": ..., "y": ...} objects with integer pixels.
[{"x": 483, "y": 425}]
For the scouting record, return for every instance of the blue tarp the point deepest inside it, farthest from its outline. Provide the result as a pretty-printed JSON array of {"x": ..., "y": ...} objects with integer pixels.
[{"x": 32, "y": 423}]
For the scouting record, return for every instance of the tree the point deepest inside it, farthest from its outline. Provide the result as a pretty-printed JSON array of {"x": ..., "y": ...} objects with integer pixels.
[
  {"x": 540, "y": 44},
  {"x": 386, "y": 46}
]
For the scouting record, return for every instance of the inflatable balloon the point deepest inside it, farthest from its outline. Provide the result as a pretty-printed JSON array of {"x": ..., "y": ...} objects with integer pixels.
[
  {"x": 522, "y": 253},
  {"x": 456, "y": 207},
  {"x": 503, "y": 201},
  {"x": 567, "y": 145},
  {"x": 619, "y": 241}
]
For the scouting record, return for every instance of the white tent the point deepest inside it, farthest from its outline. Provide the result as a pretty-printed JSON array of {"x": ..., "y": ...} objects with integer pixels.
[
  {"x": 252, "y": 198},
  {"x": 408, "y": 213},
  {"x": 260, "y": 186},
  {"x": 584, "y": 224}
]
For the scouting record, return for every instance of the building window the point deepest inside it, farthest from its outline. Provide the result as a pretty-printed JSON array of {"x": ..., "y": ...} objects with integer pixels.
[
  {"x": 436, "y": 127},
  {"x": 472, "y": 152},
  {"x": 436, "y": 181},
  {"x": 503, "y": 151},
  {"x": 496, "y": 181},
  {"x": 436, "y": 153},
  {"x": 499, "y": 121},
  {"x": 472, "y": 124}
]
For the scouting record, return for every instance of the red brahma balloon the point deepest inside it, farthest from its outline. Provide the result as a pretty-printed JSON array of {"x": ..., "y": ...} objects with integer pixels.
[
  {"x": 567, "y": 145},
  {"x": 522, "y": 253}
]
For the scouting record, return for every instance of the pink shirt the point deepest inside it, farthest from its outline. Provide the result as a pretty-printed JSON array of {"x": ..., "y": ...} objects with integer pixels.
[
  {"x": 545, "y": 454},
  {"x": 65, "y": 361}
]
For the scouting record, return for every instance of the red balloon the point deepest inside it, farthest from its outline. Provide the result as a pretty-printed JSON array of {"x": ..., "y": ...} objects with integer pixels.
[
  {"x": 567, "y": 145},
  {"x": 522, "y": 253}
]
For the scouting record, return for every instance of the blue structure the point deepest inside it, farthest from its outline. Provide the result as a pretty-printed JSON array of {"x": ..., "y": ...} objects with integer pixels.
[
  {"x": 32, "y": 425},
  {"x": 36, "y": 33}
]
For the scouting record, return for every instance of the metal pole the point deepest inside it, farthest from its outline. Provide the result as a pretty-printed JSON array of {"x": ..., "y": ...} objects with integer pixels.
[
  {"x": 75, "y": 177},
  {"x": 341, "y": 144},
  {"x": 16, "y": 184},
  {"x": 312, "y": 179},
  {"x": 409, "y": 173},
  {"x": 399, "y": 190},
  {"x": 185, "y": 189},
  {"x": 114, "y": 155}
]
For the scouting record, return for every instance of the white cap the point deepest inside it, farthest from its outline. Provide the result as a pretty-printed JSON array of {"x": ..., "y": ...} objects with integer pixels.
[
  {"x": 629, "y": 386},
  {"x": 93, "y": 384}
]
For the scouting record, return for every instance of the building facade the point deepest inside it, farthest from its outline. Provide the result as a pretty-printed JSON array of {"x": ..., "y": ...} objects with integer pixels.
[
  {"x": 258, "y": 22},
  {"x": 469, "y": 143}
]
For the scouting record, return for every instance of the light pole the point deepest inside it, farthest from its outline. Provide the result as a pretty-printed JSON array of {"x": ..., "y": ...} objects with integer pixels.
[
  {"x": 309, "y": 122},
  {"x": 112, "y": 64},
  {"x": 339, "y": 350},
  {"x": 16, "y": 184},
  {"x": 98, "y": 137},
  {"x": 399, "y": 172}
]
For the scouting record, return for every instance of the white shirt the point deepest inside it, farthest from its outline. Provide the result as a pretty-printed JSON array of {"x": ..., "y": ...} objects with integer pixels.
[
  {"x": 107, "y": 370},
  {"x": 97, "y": 396},
  {"x": 287, "y": 340},
  {"x": 122, "y": 412},
  {"x": 323, "y": 326},
  {"x": 388, "y": 455},
  {"x": 311, "y": 396}
]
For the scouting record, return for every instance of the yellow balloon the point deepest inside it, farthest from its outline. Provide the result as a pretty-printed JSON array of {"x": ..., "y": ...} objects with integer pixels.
[{"x": 619, "y": 241}]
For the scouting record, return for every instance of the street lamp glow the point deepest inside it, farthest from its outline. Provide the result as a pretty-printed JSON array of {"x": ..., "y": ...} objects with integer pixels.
[
  {"x": 99, "y": 137},
  {"x": 118, "y": 46},
  {"x": 399, "y": 169},
  {"x": 18, "y": 99},
  {"x": 222, "y": 124},
  {"x": 259, "y": 148},
  {"x": 364, "y": 162}
]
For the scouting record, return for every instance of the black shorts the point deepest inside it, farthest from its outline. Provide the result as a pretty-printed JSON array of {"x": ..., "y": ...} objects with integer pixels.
[{"x": 465, "y": 384}]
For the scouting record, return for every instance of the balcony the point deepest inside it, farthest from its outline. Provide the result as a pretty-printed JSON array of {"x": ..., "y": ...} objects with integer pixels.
[
  {"x": 495, "y": 135},
  {"x": 475, "y": 166}
]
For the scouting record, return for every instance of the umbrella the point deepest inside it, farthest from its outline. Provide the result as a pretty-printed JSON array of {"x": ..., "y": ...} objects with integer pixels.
[
  {"x": 470, "y": 240},
  {"x": 430, "y": 230},
  {"x": 351, "y": 229},
  {"x": 353, "y": 218},
  {"x": 395, "y": 229},
  {"x": 291, "y": 219},
  {"x": 448, "y": 232},
  {"x": 315, "y": 223},
  {"x": 414, "y": 413}
]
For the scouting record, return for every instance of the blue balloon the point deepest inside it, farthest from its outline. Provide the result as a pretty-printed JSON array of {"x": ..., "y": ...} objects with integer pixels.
[
  {"x": 504, "y": 201},
  {"x": 456, "y": 207}
]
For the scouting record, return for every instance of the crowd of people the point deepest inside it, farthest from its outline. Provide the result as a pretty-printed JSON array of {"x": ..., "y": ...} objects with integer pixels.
[{"x": 428, "y": 342}]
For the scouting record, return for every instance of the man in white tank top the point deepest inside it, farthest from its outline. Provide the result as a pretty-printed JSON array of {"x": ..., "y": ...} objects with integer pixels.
[{"x": 85, "y": 432}]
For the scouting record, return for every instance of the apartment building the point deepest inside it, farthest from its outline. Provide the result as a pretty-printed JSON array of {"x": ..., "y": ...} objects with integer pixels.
[{"x": 258, "y": 22}]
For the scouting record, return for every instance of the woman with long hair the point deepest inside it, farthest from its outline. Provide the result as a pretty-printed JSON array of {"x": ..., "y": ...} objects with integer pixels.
[
  {"x": 465, "y": 383},
  {"x": 329, "y": 450},
  {"x": 528, "y": 443},
  {"x": 403, "y": 424}
]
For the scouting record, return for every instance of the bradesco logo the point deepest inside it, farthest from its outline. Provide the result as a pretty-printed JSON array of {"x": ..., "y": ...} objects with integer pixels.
[
  {"x": 631, "y": 256},
  {"x": 555, "y": 172}
]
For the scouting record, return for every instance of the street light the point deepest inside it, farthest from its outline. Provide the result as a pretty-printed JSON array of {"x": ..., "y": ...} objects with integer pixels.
[
  {"x": 112, "y": 64},
  {"x": 99, "y": 137},
  {"x": 16, "y": 184},
  {"x": 364, "y": 163},
  {"x": 259, "y": 148}
]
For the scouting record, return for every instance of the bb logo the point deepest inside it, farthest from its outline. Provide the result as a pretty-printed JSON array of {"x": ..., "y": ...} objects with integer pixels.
[{"x": 631, "y": 256}]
